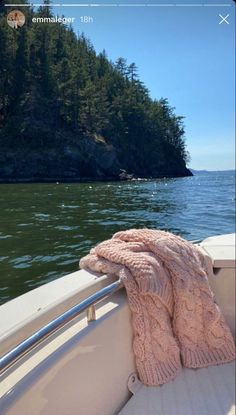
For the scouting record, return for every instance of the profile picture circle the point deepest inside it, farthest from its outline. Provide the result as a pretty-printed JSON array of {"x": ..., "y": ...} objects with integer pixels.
[{"x": 15, "y": 19}]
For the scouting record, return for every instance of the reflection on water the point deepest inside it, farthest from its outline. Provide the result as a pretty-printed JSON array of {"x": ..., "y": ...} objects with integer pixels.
[{"x": 46, "y": 228}]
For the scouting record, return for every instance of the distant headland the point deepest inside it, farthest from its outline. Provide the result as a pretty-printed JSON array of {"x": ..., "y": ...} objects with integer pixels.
[{"x": 194, "y": 171}]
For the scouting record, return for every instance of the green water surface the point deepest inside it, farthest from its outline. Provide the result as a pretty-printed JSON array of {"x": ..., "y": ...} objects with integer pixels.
[{"x": 46, "y": 228}]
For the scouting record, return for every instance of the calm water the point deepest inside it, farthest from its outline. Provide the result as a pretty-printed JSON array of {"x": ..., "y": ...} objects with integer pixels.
[{"x": 46, "y": 228}]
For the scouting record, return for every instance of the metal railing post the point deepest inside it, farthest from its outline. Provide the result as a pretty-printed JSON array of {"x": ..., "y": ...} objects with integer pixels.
[{"x": 88, "y": 304}]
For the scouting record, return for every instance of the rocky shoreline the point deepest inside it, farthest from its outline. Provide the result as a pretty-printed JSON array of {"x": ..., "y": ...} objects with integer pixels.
[
  {"x": 88, "y": 161},
  {"x": 59, "y": 180}
]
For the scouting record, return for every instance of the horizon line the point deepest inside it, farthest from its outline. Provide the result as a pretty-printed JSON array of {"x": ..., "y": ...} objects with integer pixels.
[{"x": 119, "y": 5}]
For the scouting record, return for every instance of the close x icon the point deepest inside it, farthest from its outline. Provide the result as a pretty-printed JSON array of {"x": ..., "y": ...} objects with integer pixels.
[{"x": 224, "y": 19}]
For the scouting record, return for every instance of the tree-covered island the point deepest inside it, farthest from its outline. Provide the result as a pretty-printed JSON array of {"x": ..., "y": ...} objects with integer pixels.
[{"x": 68, "y": 113}]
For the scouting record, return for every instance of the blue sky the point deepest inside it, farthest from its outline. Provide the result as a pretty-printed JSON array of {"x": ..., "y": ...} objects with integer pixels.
[{"x": 183, "y": 54}]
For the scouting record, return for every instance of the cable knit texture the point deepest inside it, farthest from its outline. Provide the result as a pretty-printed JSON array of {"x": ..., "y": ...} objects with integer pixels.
[{"x": 174, "y": 314}]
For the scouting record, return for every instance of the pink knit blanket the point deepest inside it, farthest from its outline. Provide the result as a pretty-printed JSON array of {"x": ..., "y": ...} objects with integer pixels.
[{"x": 174, "y": 314}]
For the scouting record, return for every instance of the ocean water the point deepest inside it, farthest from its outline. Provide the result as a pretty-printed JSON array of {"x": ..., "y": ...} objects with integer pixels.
[{"x": 46, "y": 228}]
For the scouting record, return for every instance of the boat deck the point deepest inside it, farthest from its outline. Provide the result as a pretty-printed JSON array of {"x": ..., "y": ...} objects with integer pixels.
[{"x": 207, "y": 391}]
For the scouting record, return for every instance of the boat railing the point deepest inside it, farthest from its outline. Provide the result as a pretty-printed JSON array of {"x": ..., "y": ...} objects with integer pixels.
[{"x": 87, "y": 305}]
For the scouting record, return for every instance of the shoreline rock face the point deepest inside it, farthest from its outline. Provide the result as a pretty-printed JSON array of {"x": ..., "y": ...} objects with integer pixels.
[{"x": 87, "y": 162}]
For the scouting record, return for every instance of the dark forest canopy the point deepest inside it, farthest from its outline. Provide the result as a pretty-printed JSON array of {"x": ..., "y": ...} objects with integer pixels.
[{"x": 67, "y": 112}]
